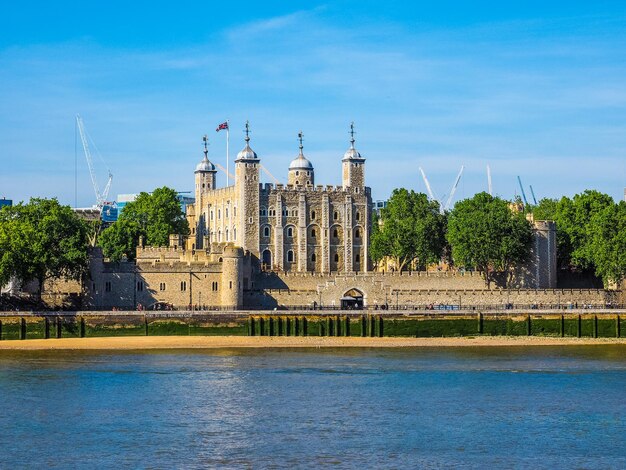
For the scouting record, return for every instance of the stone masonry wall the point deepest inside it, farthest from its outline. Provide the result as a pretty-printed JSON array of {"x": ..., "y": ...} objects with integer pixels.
[{"x": 406, "y": 290}]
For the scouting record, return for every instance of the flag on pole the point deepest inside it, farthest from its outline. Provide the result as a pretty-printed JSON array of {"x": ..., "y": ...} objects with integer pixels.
[{"x": 222, "y": 126}]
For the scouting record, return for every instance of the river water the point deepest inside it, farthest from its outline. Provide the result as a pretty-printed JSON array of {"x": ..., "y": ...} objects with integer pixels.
[{"x": 535, "y": 407}]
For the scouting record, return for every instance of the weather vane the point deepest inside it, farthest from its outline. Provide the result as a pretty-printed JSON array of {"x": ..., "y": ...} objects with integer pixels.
[
  {"x": 205, "y": 139},
  {"x": 247, "y": 131},
  {"x": 300, "y": 136}
]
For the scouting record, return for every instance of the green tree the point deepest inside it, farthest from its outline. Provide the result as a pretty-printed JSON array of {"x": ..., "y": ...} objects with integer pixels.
[
  {"x": 120, "y": 240},
  {"x": 42, "y": 240},
  {"x": 573, "y": 233},
  {"x": 487, "y": 235},
  {"x": 411, "y": 230},
  {"x": 155, "y": 216},
  {"x": 607, "y": 246},
  {"x": 545, "y": 209}
]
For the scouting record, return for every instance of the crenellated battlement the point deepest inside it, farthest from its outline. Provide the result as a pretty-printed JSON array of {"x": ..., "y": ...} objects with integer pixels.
[{"x": 273, "y": 189}]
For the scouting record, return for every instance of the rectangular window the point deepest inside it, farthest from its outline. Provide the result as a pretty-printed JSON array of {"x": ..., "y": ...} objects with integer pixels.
[
  {"x": 162, "y": 286},
  {"x": 107, "y": 286},
  {"x": 139, "y": 286},
  {"x": 183, "y": 286}
]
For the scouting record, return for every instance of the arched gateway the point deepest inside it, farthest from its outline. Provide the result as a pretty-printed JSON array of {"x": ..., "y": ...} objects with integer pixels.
[
  {"x": 266, "y": 260},
  {"x": 352, "y": 300}
]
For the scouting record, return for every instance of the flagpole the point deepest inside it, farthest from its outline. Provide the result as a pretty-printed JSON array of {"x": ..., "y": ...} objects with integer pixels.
[{"x": 227, "y": 156}]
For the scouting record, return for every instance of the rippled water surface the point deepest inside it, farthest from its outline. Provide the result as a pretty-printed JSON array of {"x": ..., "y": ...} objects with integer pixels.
[{"x": 548, "y": 407}]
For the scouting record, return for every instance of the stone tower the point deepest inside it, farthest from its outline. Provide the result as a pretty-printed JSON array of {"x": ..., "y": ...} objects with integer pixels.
[
  {"x": 353, "y": 165},
  {"x": 205, "y": 173},
  {"x": 247, "y": 190},
  {"x": 206, "y": 177},
  {"x": 301, "y": 171},
  {"x": 232, "y": 274}
]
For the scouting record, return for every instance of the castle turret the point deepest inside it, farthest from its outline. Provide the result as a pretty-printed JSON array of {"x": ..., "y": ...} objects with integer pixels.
[
  {"x": 206, "y": 180},
  {"x": 247, "y": 187},
  {"x": 353, "y": 165},
  {"x": 232, "y": 292},
  {"x": 206, "y": 175},
  {"x": 301, "y": 171}
]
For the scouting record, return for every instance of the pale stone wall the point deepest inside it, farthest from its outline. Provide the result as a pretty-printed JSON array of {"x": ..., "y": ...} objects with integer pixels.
[
  {"x": 407, "y": 290},
  {"x": 314, "y": 228},
  {"x": 176, "y": 277}
]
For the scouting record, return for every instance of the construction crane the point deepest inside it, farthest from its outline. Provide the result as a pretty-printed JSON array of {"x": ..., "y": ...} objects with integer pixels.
[
  {"x": 489, "y": 188},
  {"x": 519, "y": 180},
  {"x": 453, "y": 190},
  {"x": 532, "y": 193},
  {"x": 267, "y": 172},
  {"x": 230, "y": 175},
  {"x": 101, "y": 197},
  {"x": 428, "y": 188}
]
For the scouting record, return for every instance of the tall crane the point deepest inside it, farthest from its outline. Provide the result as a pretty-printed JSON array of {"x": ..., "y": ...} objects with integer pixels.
[
  {"x": 267, "y": 172},
  {"x": 101, "y": 197},
  {"x": 453, "y": 190},
  {"x": 519, "y": 180},
  {"x": 230, "y": 175},
  {"x": 428, "y": 188},
  {"x": 532, "y": 193}
]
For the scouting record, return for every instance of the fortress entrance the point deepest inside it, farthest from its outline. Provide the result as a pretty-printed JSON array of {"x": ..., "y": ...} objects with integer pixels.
[
  {"x": 266, "y": 260},
  {"x": 352, "y": 300}
]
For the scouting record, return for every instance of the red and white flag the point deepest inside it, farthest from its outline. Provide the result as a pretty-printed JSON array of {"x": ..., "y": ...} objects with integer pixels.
[{"x": 222, "y": 126}]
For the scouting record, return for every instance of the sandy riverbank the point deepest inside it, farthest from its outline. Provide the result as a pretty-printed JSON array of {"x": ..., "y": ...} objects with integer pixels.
[{"x": 214, "y": 342}]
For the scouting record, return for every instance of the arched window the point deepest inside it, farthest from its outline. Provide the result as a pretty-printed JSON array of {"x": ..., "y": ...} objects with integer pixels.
[
  {"x": 336, "y": 215},
  {"x": 357, "y": 258},
  {"x": 235, "y": 234},
  {"x": 290, "y": 256},
  {"x": 290, "y": 231},
  {"x": 336, "y": 257},
  {"x": 227, "y": 239},
  {"x": 312, "y": 233},
  {"x": 297, "y": 182},
  {"x": 357, "y": 233},
  {"x": 297, "y": 174},
  {"x": 358, "y": 215},
  {"x": 266, "y": 231},
  {"x": 226, "y": 213},
  {"x": 312, "y": 215},
  {"x": 219, "y": 236},
  {"x": 335, "y": 234},
  {"x": 219, "y": 214},
  {"x": 313, "y": 257},
  {"x": 211, "y": 215}
]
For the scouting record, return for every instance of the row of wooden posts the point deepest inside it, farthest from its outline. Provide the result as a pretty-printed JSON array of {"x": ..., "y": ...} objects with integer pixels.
[{"x": 370, "y": 325}]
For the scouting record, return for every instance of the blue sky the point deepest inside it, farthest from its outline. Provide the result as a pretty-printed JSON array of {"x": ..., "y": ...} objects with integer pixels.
[{"x": 533, "y": 90}]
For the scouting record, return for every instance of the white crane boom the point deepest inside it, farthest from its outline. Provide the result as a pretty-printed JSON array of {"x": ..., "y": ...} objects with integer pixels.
[
  {"x": 267, "y": 172},
  {"x": 92, "y": 173},
  {"x": 489, "y": 180},
  {"x": 107, "y": 188},
  {"x": 453, "y": 190},
  {"x": 225, "y": 171},
  {"x": 428, "y": 188}
]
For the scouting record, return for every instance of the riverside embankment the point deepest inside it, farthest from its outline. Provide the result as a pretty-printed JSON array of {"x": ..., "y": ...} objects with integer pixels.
[{"x": 602, "y": 323}]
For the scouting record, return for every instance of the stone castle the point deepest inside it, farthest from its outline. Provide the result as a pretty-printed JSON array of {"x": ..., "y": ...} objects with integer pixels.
[{"x": 255, "y": 245}]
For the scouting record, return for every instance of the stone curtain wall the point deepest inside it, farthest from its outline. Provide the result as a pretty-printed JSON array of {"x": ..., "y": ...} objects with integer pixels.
[{"x": 408, "y": 290}]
